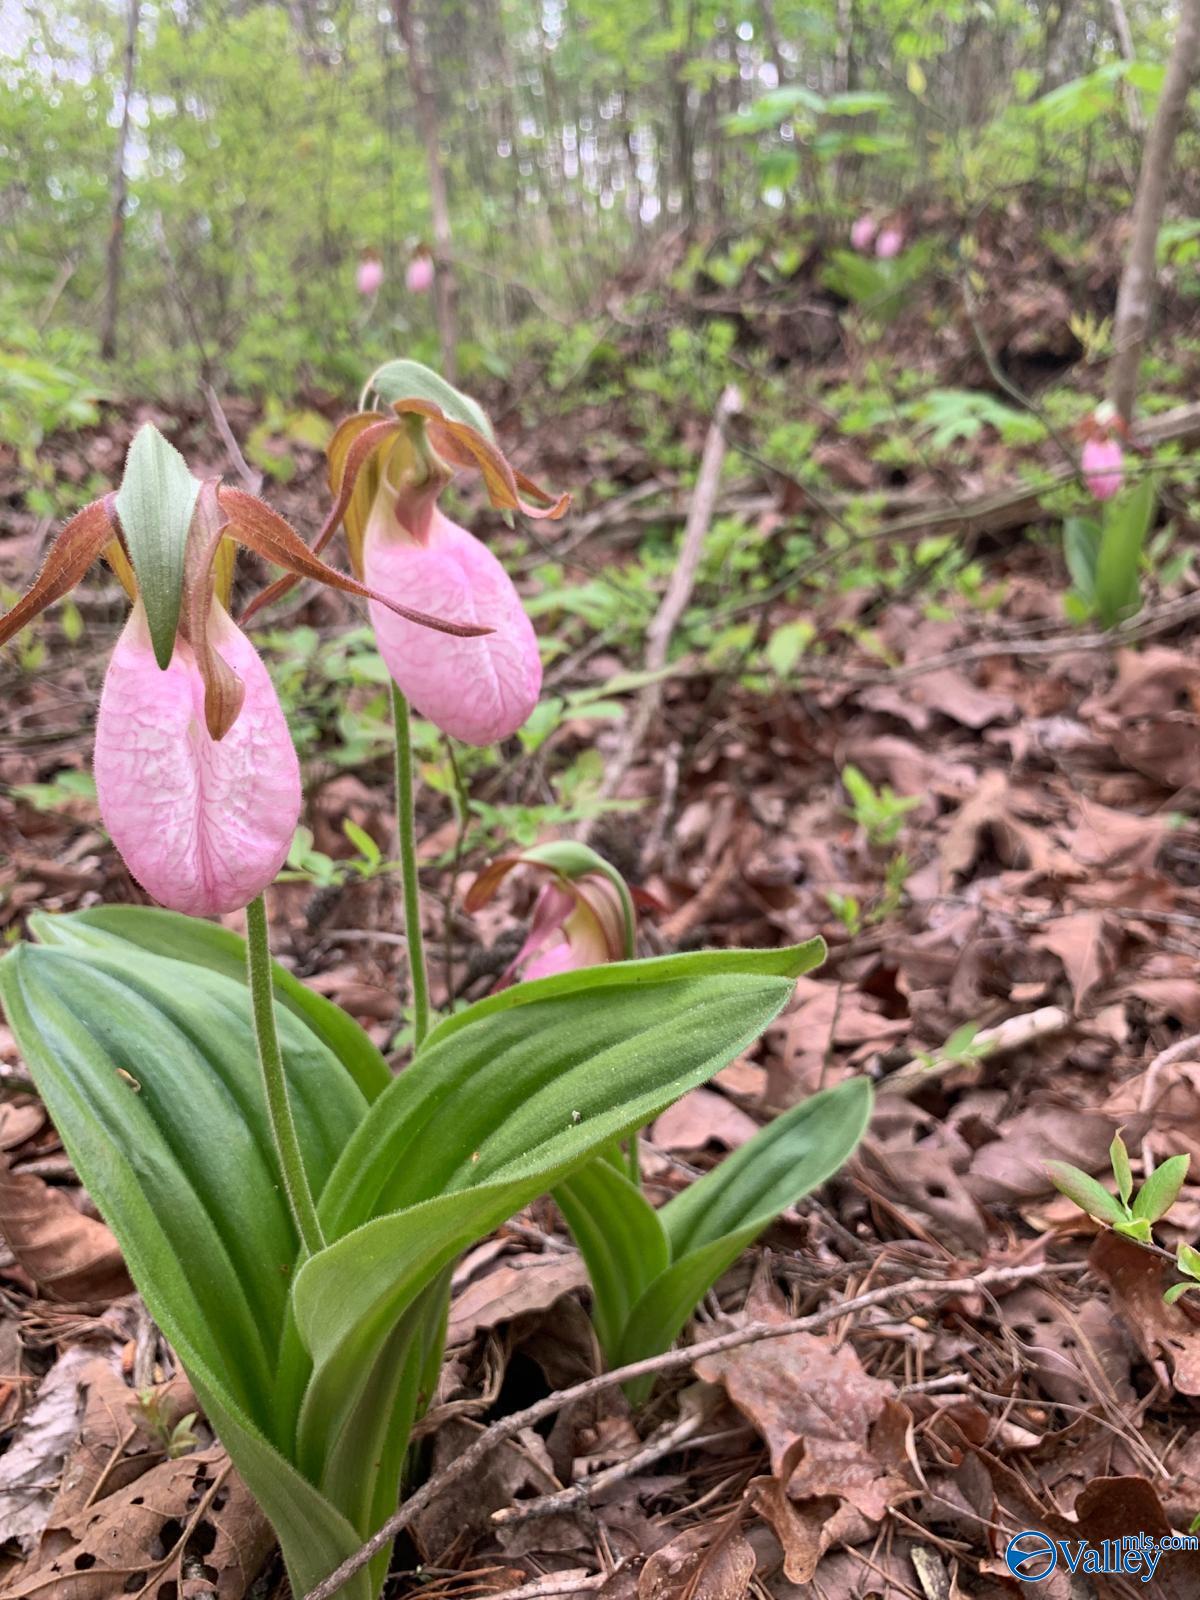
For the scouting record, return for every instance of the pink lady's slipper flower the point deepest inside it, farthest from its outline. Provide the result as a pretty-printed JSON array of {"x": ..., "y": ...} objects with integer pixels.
[
  {"x": 1103, "y": 462},
  {"x": 889, "y": 243},
  {"x": 419, "y": 276},
  {"x": 369, "y": 277},
  {"x": 583, "y": 915},
  {"x": 196, "y": 775},
  {"x": 387, "y": 472},
  {"x": 862, "y": 232}
]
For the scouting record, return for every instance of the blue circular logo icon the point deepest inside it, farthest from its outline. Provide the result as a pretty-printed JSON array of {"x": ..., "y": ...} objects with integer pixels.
[{"x": 1031, "y": 1556}]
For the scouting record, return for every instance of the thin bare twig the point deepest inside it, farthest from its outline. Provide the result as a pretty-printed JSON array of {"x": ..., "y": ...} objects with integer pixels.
[
  {"x": 1014, "y": 1033},
  {"x": 679, "y": 590},
  {"x": 509, "y": 1427}
]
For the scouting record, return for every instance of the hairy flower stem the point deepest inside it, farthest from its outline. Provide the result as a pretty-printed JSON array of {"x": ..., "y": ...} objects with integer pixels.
[
  {"x": 270, "y": 1059},
  {"x": 406, "y": 829}
]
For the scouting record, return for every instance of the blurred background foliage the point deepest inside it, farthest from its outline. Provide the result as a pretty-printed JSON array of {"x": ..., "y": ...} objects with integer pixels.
[{"x": 270, "y": 144}]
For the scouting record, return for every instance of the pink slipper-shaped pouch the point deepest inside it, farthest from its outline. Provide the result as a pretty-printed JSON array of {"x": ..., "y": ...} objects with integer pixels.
[
  {"x": 203, "y": 825},
  {"x": 479, "y": 690}
]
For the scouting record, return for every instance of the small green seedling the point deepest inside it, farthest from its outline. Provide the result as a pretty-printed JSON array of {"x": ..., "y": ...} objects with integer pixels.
[
  {"x": 1125, "y": 1212},
  {"x": 880, "y": 813},
  {"x": 962, "y": 1048}
]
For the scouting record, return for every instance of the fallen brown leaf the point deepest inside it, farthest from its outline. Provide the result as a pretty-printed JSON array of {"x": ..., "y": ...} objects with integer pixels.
[
  {"x": 68, "y": 1255},
  {"x": 1169, "y": 1336},
  {"x": 135, "y": 1541},
  {"x": 704, "y": 1562},
  {"x": 703, "y": 1117},
  {"x": 1088, "y": 943},
  {"x": 510, "y": 1290}
]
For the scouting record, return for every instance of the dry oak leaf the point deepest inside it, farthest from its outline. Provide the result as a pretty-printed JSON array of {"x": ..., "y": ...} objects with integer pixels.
[
  {"x": 30, "y": 1465},
  {"x": 1150, "y": 715},
  {"x": 68, "y": 1255},
  {"x": 111, "y": 1449},
  {"x": 990, "y": 816},
  {"x": 1165, "y": 1333},
  {"x": 510, "y": 1290},
  {"x": 703, "y": 1117},
  {"x": 818, "y": 1413},
  {"x": 704, "y": 1562},
  {"x": 1088, "y": 943},
  {"x": 142, "y": 1540},
  {"x": 1011, "y": 1169},
  {"x": 1107, "y": 838}
]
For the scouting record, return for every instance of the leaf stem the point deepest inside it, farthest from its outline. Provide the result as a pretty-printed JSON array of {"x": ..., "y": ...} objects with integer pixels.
[
  {"x": 270, "y": 1059},
  {"x": 406, "y": 829}
]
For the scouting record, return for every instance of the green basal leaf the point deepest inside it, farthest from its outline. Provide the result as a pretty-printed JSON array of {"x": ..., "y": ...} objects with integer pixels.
[
  {"x": 1161, "y": 1189},
  {"x": 770, "y": 1172},
  {"x": 113, "y": 929},
  {"x": 1187, "y": 1260},
  {"x": 1118, "y": 564},
  {"x": 557, "y": 1066},
  {"x": 791, "y": 962},
  {"x": 620, "y": 1237},
  {"x": 536, "y": 1088},
  {"x": 1177, "y": 1292},
  {"x": 1119, "y": 1156},
  {"x": 411, "y": 380},
  {"x": 736, "y": 1201},
  {"x": 1081, "y": 550},
  {"x": 1087, "y": 1194},
  {"x": 155, "y": 504},
  {"x": 131, "y": 1058}
]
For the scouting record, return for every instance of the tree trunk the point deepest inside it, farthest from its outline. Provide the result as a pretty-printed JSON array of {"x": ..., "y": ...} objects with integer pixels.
[
  {"x": 445, "y": 289},
  {"x": 120, "y": 189},
  {"x": 1133, "y": 104},
  {"x": 1136, "y": 295}
]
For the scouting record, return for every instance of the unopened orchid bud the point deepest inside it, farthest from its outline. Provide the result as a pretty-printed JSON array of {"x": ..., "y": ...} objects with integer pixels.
[
  {"x": 203, "y": 824},
  {"x": 862, "y": 232},
  {"x": 889, "y": 243},
  {"x": 419, "y": 277},
  {"x": 370, "y": 275},
  {"x": 1103, "y": 462},
  {"x": 583, "y": 917}
]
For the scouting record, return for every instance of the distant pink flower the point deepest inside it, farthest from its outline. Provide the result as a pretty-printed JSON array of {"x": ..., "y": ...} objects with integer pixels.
[
  {"x": 1103, "y": 463},
  {"x": 203, "y": 825},
  {"x": 862, "y": 233},
  {"x": 582, "y": 917},
  {"x": 889, "y": 243},
  {"x": 558, "y": 958},
  {"x": 419, "y": 277},
  {"x": 370, "y": 276},
  {"x": 479, "y": 690}
]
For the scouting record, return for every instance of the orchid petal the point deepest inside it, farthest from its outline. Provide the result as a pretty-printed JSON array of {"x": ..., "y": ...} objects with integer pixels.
[
  {"x": 70, "y": 555},
  {"x": 480, "y": 690},
  {"x": 559, "y": 958},
  {"x": 1103, "y": 463},
  {"x": 259, "y": 528},
  {"x": 202, "y": 825}
]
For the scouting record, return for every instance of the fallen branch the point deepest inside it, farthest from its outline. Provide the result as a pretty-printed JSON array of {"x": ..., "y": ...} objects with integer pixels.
[
  {"x": 509, "y": 1427},
  {"x": 1014, "y": 1033},
  {"x": 679, "y": 590},
  {"x": 1154, "y": 620},
  {"x": 664, "y": 1443}
]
